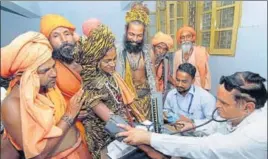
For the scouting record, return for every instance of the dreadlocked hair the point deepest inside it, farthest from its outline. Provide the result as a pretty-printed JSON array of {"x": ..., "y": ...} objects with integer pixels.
[
  {"x": 90, "y": 50},
  {"x": 138, "y": 12}
]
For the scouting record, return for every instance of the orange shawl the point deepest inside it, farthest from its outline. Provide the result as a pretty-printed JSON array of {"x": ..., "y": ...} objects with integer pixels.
[
  {"x": 36, "y": 110},
  {"x": 127, "y": 94},
  {"x": 68, "y": 81}
]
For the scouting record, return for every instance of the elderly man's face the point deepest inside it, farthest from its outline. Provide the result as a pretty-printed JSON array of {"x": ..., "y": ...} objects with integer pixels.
[
  {"x": 186, "y": 36},
  {"x": 160, "y": 49},
  {"x": 47, "y": 74},
  {"x": 60, "y": 36},
  {"x": 228, "y": 108}
]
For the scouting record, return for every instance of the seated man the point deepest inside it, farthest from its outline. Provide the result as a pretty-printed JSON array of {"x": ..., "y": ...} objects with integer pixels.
[
  {"x": 42, "y": 124},
  {"x": 187, "y": 101},
  {"x": 241, "y": 99}
]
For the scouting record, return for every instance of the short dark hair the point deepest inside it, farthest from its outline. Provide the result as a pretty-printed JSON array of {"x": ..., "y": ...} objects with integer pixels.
[
  {"x": 4, "y": 82},
  {"x": 249, "y": 84},
  {"x": 188, "y": 68}
]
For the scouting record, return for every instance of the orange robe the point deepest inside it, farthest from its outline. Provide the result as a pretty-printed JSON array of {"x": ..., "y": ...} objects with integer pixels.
[
  {"x": 79, "y": 149},
  {"x": 199, "y": 59},
  {"x": 39, "y": 114},
  {"x": 160, "y": 78},
  {"x": 69, "y": 82}
]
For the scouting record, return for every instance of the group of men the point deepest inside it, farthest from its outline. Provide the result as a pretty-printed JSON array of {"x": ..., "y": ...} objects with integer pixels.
[{"x": 45, "y": 93}]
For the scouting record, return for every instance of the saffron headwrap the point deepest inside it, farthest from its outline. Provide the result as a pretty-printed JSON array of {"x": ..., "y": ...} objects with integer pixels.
[
  {"x": 24, "y": 55},
  {"x": 50, "y": 22},
  {"x": 89, "y": 25},
  {"x": 185, "y": 28},
  {"x": 162, "y": 38}
]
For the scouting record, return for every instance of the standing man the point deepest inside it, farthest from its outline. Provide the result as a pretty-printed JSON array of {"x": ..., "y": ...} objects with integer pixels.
[
  {"x": 135, "y": 61},
  {"x": 60, "y": 33},
  {"x": 162, "y": 43},
  {"x": 41, "y": 125},
  {"x": 196, "y": 55},
  {"x": 187, "y": 101}
]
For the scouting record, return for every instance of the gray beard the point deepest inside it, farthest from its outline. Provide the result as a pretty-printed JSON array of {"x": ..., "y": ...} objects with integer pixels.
[{"x": 186, "y": 47}]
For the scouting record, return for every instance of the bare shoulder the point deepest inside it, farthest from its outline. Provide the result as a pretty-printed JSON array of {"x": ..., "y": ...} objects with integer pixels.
[{"x": 10, "y": 108}]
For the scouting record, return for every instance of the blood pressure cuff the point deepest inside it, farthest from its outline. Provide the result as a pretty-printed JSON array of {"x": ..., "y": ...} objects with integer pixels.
[{"x": 112, "y": 128}]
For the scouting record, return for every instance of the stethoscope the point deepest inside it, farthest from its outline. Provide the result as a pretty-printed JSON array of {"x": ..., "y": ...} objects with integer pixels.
[
  {"x": 190, "y": 104},
  {"x": 212, "y": 119}
]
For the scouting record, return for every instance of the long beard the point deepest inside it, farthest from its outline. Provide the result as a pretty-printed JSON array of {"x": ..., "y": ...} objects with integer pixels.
[
  {"x": 136, "y": 48},
  {"x": 159, "y": 58},
  {"x": 64, "y": 53},
  {"x": 186, "y": 47}
]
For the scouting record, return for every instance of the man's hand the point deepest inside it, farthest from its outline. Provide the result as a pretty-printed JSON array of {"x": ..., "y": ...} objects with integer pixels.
[
  {"x": 183, "y": 118},
  {"x": 134, "y": 136},
  {"x": 75, "y": 104},
  {"x": 186, "y": 125}
]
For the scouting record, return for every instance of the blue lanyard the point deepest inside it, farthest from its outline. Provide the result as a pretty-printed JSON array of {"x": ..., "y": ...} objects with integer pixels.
[{"x": 191, "y": 101}]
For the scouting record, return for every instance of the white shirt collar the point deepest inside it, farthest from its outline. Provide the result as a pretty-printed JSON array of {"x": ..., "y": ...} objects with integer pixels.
[
  {"x": 247, "y": 120},
  {"x": 191, "y": 91}
]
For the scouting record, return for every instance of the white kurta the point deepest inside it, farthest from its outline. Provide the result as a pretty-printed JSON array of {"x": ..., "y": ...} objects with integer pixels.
[{"x": 247, "y": 141}]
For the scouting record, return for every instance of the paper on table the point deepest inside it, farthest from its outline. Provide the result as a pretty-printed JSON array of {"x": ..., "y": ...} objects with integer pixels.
[{"x": 117, "y": 149}]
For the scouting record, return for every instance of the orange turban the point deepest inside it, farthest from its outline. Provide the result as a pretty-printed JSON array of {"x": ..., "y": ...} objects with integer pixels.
[
  {"x": 185, "y": 28},
  {"x": 89, "y": 25},
  {"x": 162, "y": 38},
  {"x": 25, "y": 54},
  {"x": 50, "y": 22}
]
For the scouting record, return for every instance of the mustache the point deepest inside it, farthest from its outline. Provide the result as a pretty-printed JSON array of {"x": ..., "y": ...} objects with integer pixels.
[
  {"x": 65, "y": 49},
  {"x": 186, "y": 46},
  {"x": 133, "y": 46},
  {"x": 64, "y": 53}
]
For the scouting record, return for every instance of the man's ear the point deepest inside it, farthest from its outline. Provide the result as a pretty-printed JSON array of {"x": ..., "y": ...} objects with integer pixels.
[
  {"x": 193, "y": 80},
  {"x": 250, "y": 107}
]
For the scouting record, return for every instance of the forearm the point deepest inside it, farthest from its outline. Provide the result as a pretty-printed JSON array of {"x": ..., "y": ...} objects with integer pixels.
[
  {"x": 102, "y": 111},
  {"x": 177, "y": 146},
  {"x": 171, "y": 80},
  {"x": 53, "y": 143},
  {"x": 203, "y": 81},
  {"x": 202, "y": 72}
]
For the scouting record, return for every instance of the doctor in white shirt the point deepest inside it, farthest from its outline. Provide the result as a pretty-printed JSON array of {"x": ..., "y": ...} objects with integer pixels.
[{"x": 240, "y": 100}]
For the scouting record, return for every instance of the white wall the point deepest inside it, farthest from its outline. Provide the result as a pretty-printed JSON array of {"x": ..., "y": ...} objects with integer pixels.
[
  {"x": 251, "y": 47},
  {"x": 13, "y": 25},
  {"x": 109, "y": 12}
]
